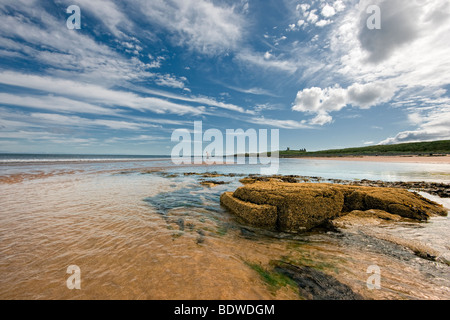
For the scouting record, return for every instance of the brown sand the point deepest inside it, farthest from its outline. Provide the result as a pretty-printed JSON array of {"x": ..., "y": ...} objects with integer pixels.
[{"x": 398, "y": 159}]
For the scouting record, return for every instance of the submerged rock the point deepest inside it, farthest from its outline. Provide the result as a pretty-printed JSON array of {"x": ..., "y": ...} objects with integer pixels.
[
  {"x": 316, "y": 285},
  {"x": 212, "y": 183},
  {"x": 302, "y": 206}
]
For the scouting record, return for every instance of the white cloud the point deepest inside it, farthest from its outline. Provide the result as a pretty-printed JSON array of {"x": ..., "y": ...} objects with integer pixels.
[
  {"x": 316, "y": 100},
  {"x": 432, "y": 125},
  {"x": 323, "y": 101},
  {"x": 171, "y": 81},
  {"x": 21, "y": 125},
  {"x": 323, "y": 23},
  {"x": 339, "y": 6},
  {"x": 254, "y": 91},
  {"x": 410, "y": 50},
  {"x": 156, "y": 62},
  {"x": 54, "y": 103},
  {"x": 403, "y": 64},
  {"x": 321, "y": 119},
  {"x": 371, "y": 94},
  {"x": 284, "y": 124},
  {"x": 260, "y": 61},
  {"x": 199, "y": 24},
  {"x": 328, "y": 11},
  {"x": 264, "y": 106},
  {"x": 312, "y": 17},
  {"x": 75, "y": 121},
  {"x": 39, "y": 37},
  {"x": 194, "y": 99},
  {"x": 107, "y": 12},
  {"x": 96, "y": 94},
  {"x": 303, "y": 7},
  {"x": 245, "y": 7}
]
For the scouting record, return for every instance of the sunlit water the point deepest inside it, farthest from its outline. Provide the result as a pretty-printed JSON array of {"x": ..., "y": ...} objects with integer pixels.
[{"x": 137, "y": 233}]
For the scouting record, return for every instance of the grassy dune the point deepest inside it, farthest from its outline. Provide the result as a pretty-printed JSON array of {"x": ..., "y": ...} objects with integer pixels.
[{"x": 419, "y": 148}]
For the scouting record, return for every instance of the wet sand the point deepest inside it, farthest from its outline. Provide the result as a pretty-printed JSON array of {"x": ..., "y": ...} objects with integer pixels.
[
  {"x": 393, "y": 159},
  {"x": 160, "y": 234}
]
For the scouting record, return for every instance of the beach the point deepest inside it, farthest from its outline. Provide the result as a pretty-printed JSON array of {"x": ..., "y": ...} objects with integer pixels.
[
  {"x": 393, "y": 159},
  {"x": 151, "y": 230},
  {"x": 225, "y": 150}
]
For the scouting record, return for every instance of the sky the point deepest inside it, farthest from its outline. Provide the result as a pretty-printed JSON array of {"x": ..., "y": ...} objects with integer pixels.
[{"x": 138, "y": 70}]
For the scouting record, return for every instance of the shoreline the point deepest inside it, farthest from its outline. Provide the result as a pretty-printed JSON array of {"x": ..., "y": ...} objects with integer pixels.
[
  {"x": 392, "y": 159},
  {"x": 177, "y": 212}
]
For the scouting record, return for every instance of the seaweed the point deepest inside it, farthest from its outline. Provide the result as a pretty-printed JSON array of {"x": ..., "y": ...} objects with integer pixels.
[{"x": 273, "y": 279}]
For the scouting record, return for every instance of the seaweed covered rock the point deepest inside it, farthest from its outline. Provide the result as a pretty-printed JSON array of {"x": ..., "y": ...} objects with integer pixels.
[
  {"x": 392, "y": 200},
  {"x": 314, "y": 284},
  {"x": 294, "y": 207},
  {"x": 297, "y": 208},
  {"x": 264, "y": 216}
]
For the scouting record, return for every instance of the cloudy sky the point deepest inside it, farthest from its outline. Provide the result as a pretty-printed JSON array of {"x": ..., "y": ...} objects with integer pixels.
[{"x": 137, "y": 70}]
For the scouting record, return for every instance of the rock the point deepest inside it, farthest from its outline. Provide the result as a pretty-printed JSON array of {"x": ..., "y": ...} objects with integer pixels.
[
  {"x": 358, "y": 218},
  {"x": 212, "y": 183},
  {"x": 180, "y": 223},
  {"x": 355, "y": 201},
  {"x": 264, "y": 216},
  {"x": 401, "y": 202},
  {"x": 438, "y": 189},
  {"x": 316, "y": 285},
  {"x": 418, "y": 248},
  {"x": 295, "y": 207},
  {"x": 247, "y": 180}
]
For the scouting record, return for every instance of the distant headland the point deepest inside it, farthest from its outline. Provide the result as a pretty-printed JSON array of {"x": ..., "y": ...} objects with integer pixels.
[{"x": 421, "y": 149}]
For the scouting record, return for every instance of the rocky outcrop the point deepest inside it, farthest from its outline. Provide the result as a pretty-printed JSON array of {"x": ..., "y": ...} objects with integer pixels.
[
  {"x": 364, "y": 218},
  {"x": 435, "y": 188},
  {"x": 264, "y": 216},
  {"x": 294, "y": 207}
]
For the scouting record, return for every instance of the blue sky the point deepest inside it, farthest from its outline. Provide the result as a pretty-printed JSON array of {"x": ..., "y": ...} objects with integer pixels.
[{"x": 138, "y": 70}]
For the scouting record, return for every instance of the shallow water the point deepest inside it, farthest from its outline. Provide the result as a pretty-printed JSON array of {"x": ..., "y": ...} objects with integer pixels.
[
  {"x": 328, "y": 169},
  {"x": 143, "y": 234}
]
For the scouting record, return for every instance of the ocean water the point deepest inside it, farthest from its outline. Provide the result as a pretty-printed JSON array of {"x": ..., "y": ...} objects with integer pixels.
[
  {"x": 36, "y": 158},
  {"x": 139, "y": 228},
  {"x": 11, "y": 164}
]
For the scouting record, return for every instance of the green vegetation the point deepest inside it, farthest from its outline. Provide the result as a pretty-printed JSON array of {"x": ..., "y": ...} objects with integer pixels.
[
  {"x": 273, "y": 279},
  {"x": 418, "y": 148}
]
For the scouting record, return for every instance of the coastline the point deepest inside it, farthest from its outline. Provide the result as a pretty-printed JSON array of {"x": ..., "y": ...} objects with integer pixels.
[
  {"x": 152, "y": 226},
  {"x": 392, "y": 159}
]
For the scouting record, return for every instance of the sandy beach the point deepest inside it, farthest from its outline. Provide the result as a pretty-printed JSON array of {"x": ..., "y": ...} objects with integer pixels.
[
  {"x": 150, "y": 230},
  {"x": 393, "y": 159}
]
